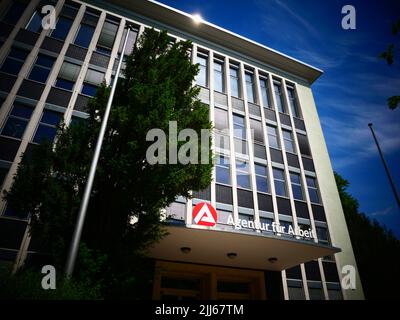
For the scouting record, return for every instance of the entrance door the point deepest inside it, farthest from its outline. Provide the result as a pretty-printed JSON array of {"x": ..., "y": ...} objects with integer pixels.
[{"x": 183, "y": 281}]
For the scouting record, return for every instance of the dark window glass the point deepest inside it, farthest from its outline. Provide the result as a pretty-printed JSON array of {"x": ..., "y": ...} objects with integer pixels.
[
  {"x": 273, "y": 137},
  {"x": 264, "y": 92},
  {"x": 249, "y": 87},
  {"x": 41, "y": 69},
  {"x": 292, "y": 102},
  {"x": 296, "y": 186},
  {"x": 35, "y": 24},
  {"x": 278, "y": 96},
  {"x": 47, "y": 128},
  {"x": 14, "y": 61},
  {"x": 312, "y": 189},
  {"x": 107, "y": 37},
  {"x": 17, "y": 121},
  {"x": 84, "y": 35},
  {"x": 62, "y": 28},
  {"x": 279, "y": 181},
  {"x": 3, "y": 174},
  {"x": 89, "y": 89},
  {"x": 65, "y": 84},
  {"x": 223, "y": 170},
  {"x": 14, "y": 12},
  {"x": 242, "y": 174},
  {"x": 261, "y": 178}
]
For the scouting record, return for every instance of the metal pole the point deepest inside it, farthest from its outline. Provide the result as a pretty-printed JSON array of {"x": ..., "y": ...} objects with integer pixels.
[
  {"x": 73, "y": 251},
  {"x": 396, "y": 195}
]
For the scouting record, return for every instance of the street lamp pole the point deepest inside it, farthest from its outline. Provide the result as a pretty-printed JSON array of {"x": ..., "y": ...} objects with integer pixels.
[
  {"x": 73, "y": 251},
  {"x": 396, "y": 195}
]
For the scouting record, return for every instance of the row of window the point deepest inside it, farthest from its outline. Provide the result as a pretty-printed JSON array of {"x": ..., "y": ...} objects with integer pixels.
[
  {"x": 239, "y": 131},
  {"x": 223, "y": 176},
  {"x": 315, "y": 291},
  {"x": 235, "y": 86}
]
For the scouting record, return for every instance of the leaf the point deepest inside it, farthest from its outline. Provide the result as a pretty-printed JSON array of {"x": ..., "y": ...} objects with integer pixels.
[{"x": 393, "y": 102}]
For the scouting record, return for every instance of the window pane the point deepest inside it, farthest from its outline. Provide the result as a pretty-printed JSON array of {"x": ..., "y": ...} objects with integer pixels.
[
  {"x": 311, "y": 182},
  {"x": 107, "y": 35},
  {"x": 35, "y": 24},
  {"x": 313, "y": 195},
  {"x": 243, "y": 181},
  {"x": 14, "y": 127},
  {"x": 65, "y": 84},
  {"x": 18, "y": 53},
  {"x": 223, "y": 175},
  {"x": 218, "y": 81},
  {"x": 261, "y": 170},
  {"x": 201, "y": 78},
  {"x": 316, "y": 294},
  {"x": 280, "y": 188},
  {"x": 234, "y": 80},
  {"x": 84, "y": 35},
  {"x": 14, "y": 13},
  {"x": 39, "y": 74},
  {"x": 22, "y": 111},
  {"x": 296, "y": 293},
  {"x": 221, "y": 119},
  {"x": 262, "y": 184},
  {"x": 249, "y": 88},
  {"x": 94, "y": 77},
  {"x": 295, "y": 178},
  {"x": 297, "y": 192},
  {"x": 278, "y": 97},
  {"x": 51, "y": 117},
  {"x": 89, "y": 89},
  {"x": 69, "y": 71},
  {"x": 264, "y": 92},
  {"x": 45, "y": 133},
  {"x": 273, "y": 137},
  {"x": 62, "y": 28},
  {"x": 11, "y": 66},
  {"x": 292, "y": 102}
]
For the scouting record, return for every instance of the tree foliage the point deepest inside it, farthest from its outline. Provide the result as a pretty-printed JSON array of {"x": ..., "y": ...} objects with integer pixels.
[
  {"x": 157, "y": 88},
  {"x": 389, "y": 55},
  {"x": 376, "y": 249}
]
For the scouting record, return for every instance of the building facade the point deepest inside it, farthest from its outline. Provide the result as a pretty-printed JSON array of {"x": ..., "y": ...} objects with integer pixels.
[{"x": 278, "y": 230}]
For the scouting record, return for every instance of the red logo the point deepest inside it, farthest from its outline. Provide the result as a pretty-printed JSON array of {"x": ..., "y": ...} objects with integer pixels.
[{"x": 204, "y": 214}]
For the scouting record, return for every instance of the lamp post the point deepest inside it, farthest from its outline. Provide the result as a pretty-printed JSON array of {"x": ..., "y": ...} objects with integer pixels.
[
  {"x": 73, "y": 251},
  {"x": 396, "y": 195}
]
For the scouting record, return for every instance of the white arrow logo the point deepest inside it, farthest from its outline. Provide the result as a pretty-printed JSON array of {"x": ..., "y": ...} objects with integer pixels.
[{"x": 204, "y": 215}]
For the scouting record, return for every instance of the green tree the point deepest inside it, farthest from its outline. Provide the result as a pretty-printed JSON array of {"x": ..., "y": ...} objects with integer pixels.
[
  {"x": 376, "y": 249},
  {"x": 157, "y": 88},
  {"x": 389, "y": 56}
]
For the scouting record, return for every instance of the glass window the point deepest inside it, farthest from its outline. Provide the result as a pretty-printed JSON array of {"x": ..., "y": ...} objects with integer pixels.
[
  {"x": 17, "y": 121},
  {"x": 247, "y": 218},
  {"x": 47, "y": 128},
  {"x": 35, "y": 23},
  {"x": 129, "y": 44},
  {"x": 14, "y": 12},
  {"x": 285, "y": 226},
  {"x": 278, "y": 96},
  {"x": 322, "y": 234},
  {"x": 176, "y": 210},
  {"x": 107, "y": 37},
  {"x": 234, "y": 80},
  {"x": 84, "y": 35},
  {"x": 221, "y": 119},
  {"x": 279, "y": 182},
  {"x": 296, "y": 186},
  {"x": 264, "y": 92},
  {"x": 264, "y": 222},
  {"x": 295, "y": 290},
  {"x": 316, "y": 293},
  {"x": 67, "y": 76},
  {"x": 312, "y": 189},
  {"x": 201, "y": 78},
  {"x": 261, "y": 178},
  {"x": 293, "y": 102},
  {"x": 288, "y": 141},
  {"x": 335, "y": 294},
  {"x": 250, "y": 87},
  {"x": 257, "y": 132},
  {"x": 62, "y": 28},
  {"x": 239, "y": 129},
  {"x": 219, "y": 76},
  {"x": 14, "y": 61},
  {"x": 42, "y": 68},
  {"x": 221, "y": 141},
  {"x": 93, "y": 79},
  {"x": 273, "y": 137},
  {"x": 222, "y": 170},
  {"x": 242, "y": 174}
]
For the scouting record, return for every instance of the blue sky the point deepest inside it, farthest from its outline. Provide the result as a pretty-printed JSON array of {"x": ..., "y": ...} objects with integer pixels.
[{"x": 353, "y": 89}]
